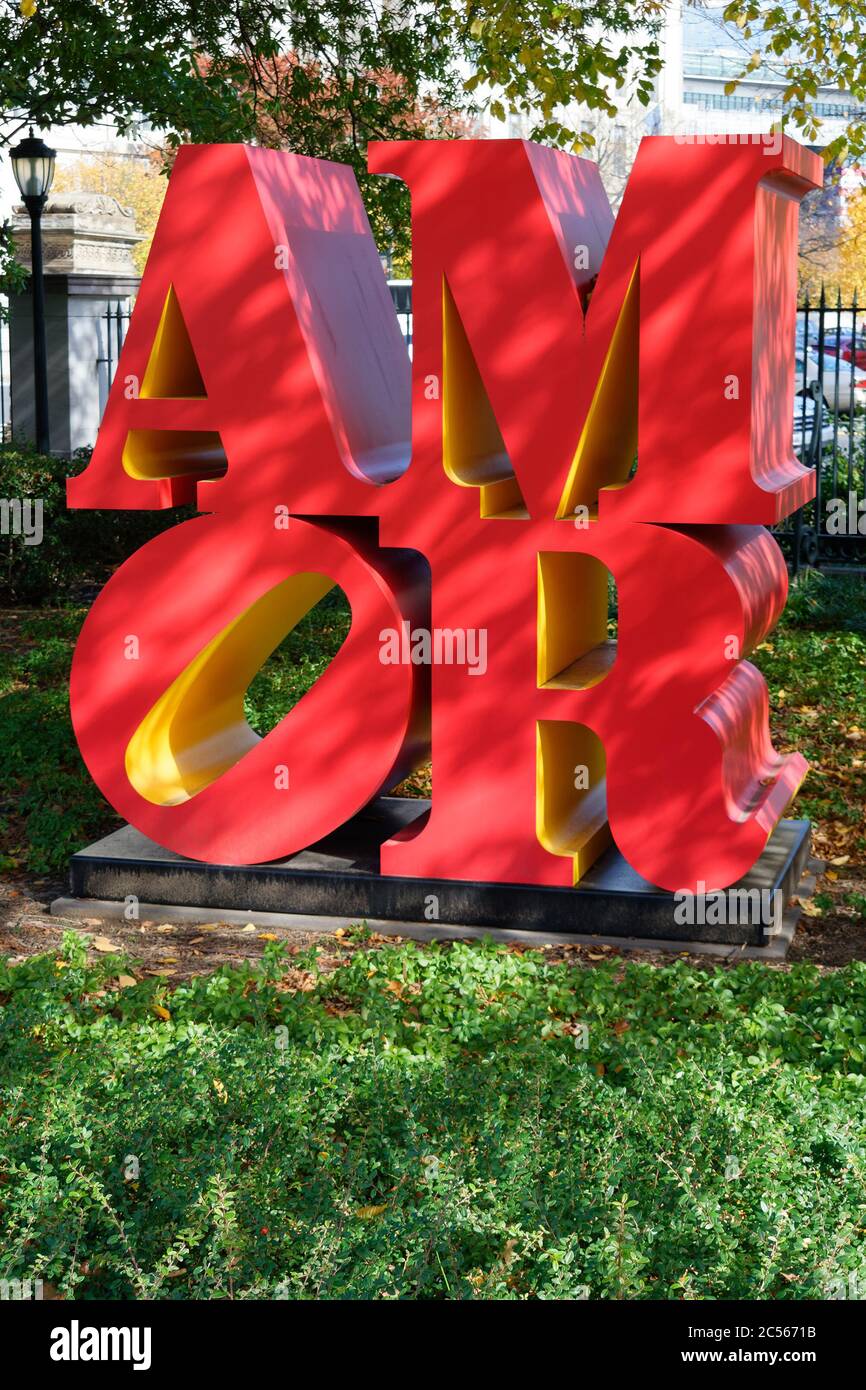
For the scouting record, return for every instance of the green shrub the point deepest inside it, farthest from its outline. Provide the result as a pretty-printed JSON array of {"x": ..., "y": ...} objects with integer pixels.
[
  {"x": 420, "y": 1123},
  {"x": 78, "y": 547}
]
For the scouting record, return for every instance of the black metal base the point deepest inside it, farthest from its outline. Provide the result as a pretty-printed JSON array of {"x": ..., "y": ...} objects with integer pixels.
[{"x": 339, "y": 877}]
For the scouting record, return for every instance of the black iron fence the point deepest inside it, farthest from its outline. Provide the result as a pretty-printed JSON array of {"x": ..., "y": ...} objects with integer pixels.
[
  {"x": 401, "y": 296},
  {"x": 829, "y": 424},
  {"x": 115, "y": 321},
  {"x": 113, "y": 326},
  {"x": 830, "y": 434}
]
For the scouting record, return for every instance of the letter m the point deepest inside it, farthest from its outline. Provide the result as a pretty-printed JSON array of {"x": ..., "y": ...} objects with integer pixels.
[{"x": 594, "y": 342}]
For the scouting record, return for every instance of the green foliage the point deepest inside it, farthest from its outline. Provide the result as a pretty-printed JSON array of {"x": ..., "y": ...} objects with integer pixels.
[
  {"x": 544, "y": 55},
  {"x": 319, "y": 77},
  {"x": 807, "y": 46},
  {"x": 324, "y": 77},
  {"x": 49, "y": 807},
  {"x": 78, "y": 547},
  {"x": 818, "y": 602},
  {"x": 298, "y": 662},
  {"x": 13, "y": 275},
  {"x": 815, "y": 666},
  {"x": 420, "y": 1123}
]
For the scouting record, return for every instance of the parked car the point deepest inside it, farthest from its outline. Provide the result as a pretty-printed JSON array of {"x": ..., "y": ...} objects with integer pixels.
[
  {"x": 839, "y": 395},
  {"x": 804, "y": 421},
  {"x": 844, "y": 344}
]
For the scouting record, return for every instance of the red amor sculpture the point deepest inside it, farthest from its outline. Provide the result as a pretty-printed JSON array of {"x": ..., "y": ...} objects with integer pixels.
[{"x": 264, "y": 378}]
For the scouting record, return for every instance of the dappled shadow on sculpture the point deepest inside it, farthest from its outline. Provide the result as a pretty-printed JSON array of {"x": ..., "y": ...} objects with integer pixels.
[{"x": 549, "y": 345}]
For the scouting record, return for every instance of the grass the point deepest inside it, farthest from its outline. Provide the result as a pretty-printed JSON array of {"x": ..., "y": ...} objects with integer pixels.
[
  {"x": 49, "y": 807},
  {"x": 815, "y": 666},
  {"x": 432, "y": 1122},
  {"x": 298, "y": 662}
]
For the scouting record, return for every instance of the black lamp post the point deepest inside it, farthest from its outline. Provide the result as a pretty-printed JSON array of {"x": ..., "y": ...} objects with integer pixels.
[{"x": 33, "y": 167}]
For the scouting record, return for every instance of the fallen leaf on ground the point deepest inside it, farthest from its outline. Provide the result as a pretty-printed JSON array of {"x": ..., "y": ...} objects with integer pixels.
[
  {"x": 810, "y": 909},
  {"x": 102, "y": 943}
]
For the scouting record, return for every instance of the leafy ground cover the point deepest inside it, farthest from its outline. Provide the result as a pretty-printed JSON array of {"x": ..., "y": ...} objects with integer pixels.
[{"x": 462, "y": 1121}]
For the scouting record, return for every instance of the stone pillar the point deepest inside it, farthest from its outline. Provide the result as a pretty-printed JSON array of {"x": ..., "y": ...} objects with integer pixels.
[{"x": 88, "y": 240}]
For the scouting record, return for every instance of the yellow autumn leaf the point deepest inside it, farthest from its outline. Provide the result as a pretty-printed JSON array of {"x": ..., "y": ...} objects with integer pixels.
[
  {"x": 268, "y": 936},
  {"x": 102, "y": 943},
  {"x": 161, "y": 1012},
  {"x": 221, "y": 1090},
  {"x": 810, "y": 909},
  {"x": 367, "y": 1213},
  {"x": 28, "y": 8}
]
